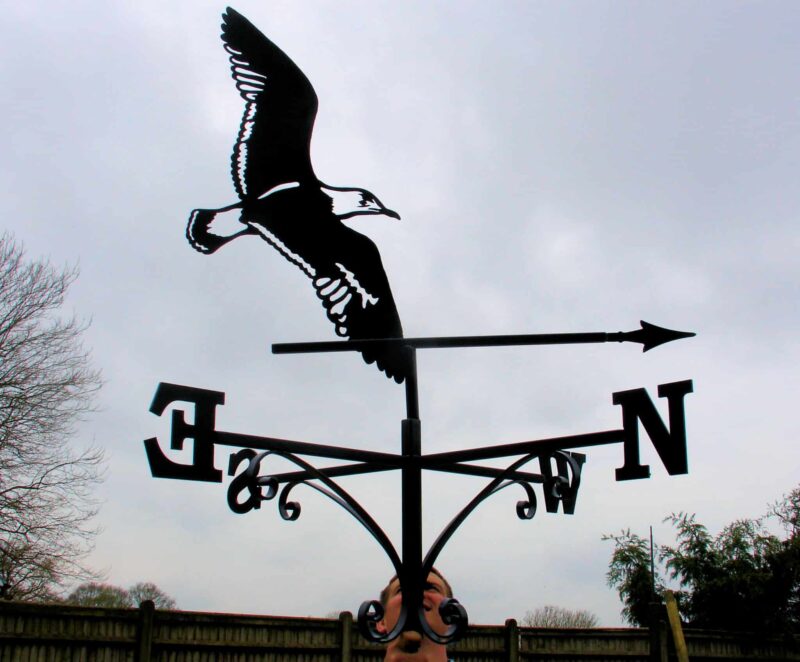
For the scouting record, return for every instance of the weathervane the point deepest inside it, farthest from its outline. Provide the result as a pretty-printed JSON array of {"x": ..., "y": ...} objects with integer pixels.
[{"x": 282, "y": 201}]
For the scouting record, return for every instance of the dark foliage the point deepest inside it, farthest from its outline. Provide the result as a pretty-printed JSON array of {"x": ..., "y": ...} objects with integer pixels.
[
  {"x": 745, "y": 578},
  {"x": 629, "y": 572}
]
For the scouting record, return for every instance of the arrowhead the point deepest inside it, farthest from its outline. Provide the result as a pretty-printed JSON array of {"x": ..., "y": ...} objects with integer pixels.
[{"x": 651, "y": 335}]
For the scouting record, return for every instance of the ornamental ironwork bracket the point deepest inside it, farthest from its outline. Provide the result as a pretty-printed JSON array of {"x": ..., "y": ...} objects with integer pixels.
[{"x": 558, "y": 475}]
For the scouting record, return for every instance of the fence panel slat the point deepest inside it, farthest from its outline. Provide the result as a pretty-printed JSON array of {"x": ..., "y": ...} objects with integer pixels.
[{"x": 50, "y": 633}]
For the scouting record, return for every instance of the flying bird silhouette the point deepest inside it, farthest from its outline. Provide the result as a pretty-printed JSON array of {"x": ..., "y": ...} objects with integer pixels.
[{"x": 282, "y": 200}]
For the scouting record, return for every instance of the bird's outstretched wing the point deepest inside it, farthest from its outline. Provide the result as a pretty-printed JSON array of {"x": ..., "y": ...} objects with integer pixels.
[
  {"x": 272, "y": 147},
  {"x": 358, "y": 300},
  {"x": 345, "y": 268}
]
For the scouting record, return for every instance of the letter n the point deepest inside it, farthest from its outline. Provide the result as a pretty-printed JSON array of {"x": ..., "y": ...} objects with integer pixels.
[{"x": 670, "y": 444}]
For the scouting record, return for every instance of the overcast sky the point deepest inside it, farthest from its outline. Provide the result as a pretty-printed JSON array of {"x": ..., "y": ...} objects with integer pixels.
[{"x": 558, "y": 167}]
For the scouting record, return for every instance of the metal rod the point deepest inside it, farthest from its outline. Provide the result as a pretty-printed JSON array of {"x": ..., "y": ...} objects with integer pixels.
[
  {"x": 487, "y": 472},
  {"x": 450, "y": 462},
  {"x": 412, "y": 391},
  {"x": 366, "y": 468},
  {"x": 649, "y": 335},
  {"x": 446, "y": 341},
  {"x": 541, "y": 447},
  {"x": 411, "y": 580},
  {"x": 331, "y": 472},
  {"x": 305, "y": 448}
]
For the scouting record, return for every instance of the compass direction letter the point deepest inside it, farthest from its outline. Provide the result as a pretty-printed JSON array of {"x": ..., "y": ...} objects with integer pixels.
[
  {"x": 201, "y": 431},
  {"x": 670, "y": 444},
  {"x": 561, "y": 487}
]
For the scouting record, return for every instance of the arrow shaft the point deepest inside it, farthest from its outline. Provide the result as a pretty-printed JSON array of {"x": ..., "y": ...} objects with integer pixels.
[{"x": 449, "y": 341}]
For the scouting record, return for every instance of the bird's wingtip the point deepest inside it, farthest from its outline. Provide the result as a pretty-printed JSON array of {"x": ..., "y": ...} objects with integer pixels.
[{"x": 230, "y": 15}]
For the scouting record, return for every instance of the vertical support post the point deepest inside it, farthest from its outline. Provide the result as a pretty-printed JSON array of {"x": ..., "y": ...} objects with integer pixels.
[
  {"x": 144, "y": 647},
  {"x": 675, "y": 625},
  {"x": 411, "y": 580},
  {"x": 658, "y": 633},
  {"x": 412, "y": 392},
  {"x": 512, "y": 641},
  {"x": 345, "y": 636},
  {"x": 652, "y": 565},
  {"x": 662, "y": 629}
]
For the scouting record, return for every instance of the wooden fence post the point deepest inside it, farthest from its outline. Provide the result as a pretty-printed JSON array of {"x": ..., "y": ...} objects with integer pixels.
[
  {"x": 345, "y": 636},
  {"x": 512, "y": 641},
  {"x": 675, "y": 626},
  {"x": 144, "y": 634}
]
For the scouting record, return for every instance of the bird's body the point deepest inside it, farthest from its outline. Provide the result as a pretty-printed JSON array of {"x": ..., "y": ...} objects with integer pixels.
[{"x": 283, "y": 201}]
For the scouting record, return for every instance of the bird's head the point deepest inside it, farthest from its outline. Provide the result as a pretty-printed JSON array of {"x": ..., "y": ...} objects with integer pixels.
[{"x": 349, "y": 202}]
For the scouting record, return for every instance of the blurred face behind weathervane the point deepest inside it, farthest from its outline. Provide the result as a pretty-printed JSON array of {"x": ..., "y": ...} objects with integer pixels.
[{"x": 412, "y": 646}]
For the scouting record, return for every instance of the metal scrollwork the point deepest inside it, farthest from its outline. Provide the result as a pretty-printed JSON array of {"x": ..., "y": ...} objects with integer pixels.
[
  {"x": 453, "y": 615},
  {"x": 561, "y": 487},
  {"x": 266, "y": 487},
  {"x": 289, "y": 510},
  {"x": 258, "y": 489},
  {"x": 557, "y": 486},
  {"x": 370, "y": 613},
  {"x": 451, "y": 612},
  {"x": 526, "y": 508}
]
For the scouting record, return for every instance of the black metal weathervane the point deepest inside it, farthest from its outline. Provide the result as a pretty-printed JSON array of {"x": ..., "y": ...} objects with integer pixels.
[{"x": 282, "y": 201}]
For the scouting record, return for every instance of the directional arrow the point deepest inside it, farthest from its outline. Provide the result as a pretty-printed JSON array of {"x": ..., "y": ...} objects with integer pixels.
[{"x": 649, "y": 335}]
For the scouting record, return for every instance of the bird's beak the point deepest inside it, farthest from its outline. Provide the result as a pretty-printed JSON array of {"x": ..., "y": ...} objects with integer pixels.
[{"x": 393, "y": 214}]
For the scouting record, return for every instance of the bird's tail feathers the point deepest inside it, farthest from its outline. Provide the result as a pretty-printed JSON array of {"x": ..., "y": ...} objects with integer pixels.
[
  {"x": 199, "y": 234},
  {"x": 393, "y": 361}
]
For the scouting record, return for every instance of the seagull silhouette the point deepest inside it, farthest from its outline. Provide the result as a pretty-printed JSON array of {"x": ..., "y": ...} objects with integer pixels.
[{"x": 282, "y": 201}]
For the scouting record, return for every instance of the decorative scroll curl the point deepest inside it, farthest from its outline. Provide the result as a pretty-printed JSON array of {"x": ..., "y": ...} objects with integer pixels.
[
  {"x": 370, "y": 613},
  {"x": 264, "y": 488},
  {"x": 453, "y": 615},
  {"x": 558, "y": 487},
  {"x": 290, "y": 510},
  {"x": 451, "y": 612},
  {"x": 526, "y": 508}
]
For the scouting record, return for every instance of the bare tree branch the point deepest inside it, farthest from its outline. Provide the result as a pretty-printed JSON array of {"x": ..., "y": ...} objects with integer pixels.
[
  {"x": 551, "y": 616},
  {"x": 47, "y": 386}
]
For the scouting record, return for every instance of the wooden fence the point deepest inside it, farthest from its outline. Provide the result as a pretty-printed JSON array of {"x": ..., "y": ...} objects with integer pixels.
[{"x": 52, "y": 633}]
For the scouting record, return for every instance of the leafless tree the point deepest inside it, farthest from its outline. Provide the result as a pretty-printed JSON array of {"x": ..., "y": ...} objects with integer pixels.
[
  {"x": 47, "y": 385},
  {"x": 142, "y": 591},
  {"x": 550, "y": 616},
  {"x": 92, "y": 594}
]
